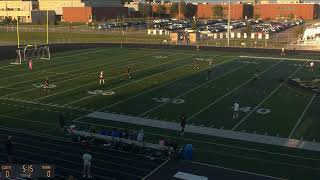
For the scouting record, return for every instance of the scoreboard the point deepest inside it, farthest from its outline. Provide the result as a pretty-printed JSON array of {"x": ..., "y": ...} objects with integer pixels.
[{"x": 27, "y": 171}]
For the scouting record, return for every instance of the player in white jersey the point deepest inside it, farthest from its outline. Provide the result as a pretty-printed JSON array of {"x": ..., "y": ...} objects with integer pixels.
[
  {"x": 101, "y": 77},
  {"x": 312, "y": 66},
  {"x": 235, "y": 110},
  {"x": 282, "y": 52}
]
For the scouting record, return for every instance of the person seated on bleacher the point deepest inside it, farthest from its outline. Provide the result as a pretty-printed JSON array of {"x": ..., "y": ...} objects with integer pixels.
[
  {"x": 162, "y": 144},
  {"x": 104, "y": 132},
  {"x": 140, "y": 136},
  {"x": 115, "y": 133}
]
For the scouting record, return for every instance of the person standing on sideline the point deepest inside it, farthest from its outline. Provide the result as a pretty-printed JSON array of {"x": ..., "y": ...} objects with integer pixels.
[
  {"x": 235, "y": 110},
  {"x": 87, "y": 158},
  {"x": 140, "y": 136},
  {"x": 61, "y": 124},
  {"x": 30, "y": 64},
  {"x": 10, "y": 149},
  {"x": 282, "y": 52},
  {"x": 183, "y": 122}
]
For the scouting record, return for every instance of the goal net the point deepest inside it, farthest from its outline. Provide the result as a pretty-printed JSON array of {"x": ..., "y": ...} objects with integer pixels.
[{"x": 31, "y": 52}]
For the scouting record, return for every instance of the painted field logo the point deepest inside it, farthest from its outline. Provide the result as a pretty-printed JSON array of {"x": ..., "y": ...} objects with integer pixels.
[
  {"x": 51, "y": 86},
  {"x": 310, "y": 84},
  {"x": 101, "y": 92}
]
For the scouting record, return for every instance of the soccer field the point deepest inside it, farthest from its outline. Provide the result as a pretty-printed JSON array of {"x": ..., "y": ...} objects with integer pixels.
[{"x": 165, "y": 84}]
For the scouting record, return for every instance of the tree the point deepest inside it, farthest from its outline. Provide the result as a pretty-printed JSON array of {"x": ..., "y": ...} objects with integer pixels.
[
  {"x": 161, "y": 10},
  {"x": 190, "y": 10},
  {"x": 291, "y": 16},
  {"x": 248, "y": 29},
  {"x": 217, "y": 11},
  {"x": 146, "y": 10},
  {"x": 194, "y": 26},
  {"x": 174, "y": 9},
  {"x": 256, "y": 16}
]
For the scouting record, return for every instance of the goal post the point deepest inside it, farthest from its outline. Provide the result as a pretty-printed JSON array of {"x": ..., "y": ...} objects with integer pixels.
[{"x": 32, "y": 52}]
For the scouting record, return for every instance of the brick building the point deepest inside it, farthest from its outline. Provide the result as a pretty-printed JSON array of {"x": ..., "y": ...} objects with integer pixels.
[
  {"x": 238, "y": 11},
  {"x": 89, "y": 14},
  {"x": 285, "y": 11}
]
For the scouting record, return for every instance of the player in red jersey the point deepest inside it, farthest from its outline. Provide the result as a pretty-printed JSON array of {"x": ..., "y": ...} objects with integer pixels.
[
  {"x": 30, "y": 64},
  {"x": 101, "y": 77}
]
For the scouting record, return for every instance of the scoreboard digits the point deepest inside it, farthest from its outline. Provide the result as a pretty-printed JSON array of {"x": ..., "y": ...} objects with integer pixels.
[{"x": 27, "y": 171}]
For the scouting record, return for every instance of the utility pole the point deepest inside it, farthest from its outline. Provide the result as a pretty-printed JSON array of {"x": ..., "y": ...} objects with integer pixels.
[
  {"x": 229, "y": 14},
  {"x": 179, "y": 9}
]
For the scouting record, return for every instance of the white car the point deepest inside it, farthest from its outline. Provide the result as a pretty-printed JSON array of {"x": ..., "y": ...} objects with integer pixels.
[{"x": 189, "y": 30}]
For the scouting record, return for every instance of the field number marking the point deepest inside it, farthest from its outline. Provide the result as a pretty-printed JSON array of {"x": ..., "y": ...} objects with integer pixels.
[
  {"x": 165, "y": 99},
  {"x": 42, "y": 86},
  {"x": 101, "y": 92},
  {"x": 261, "y": 111}
]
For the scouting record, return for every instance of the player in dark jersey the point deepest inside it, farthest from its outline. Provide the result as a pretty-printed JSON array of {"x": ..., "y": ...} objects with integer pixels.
[
  {"x": 46, "y": 84},
  {"x": 128, "y": 72}
]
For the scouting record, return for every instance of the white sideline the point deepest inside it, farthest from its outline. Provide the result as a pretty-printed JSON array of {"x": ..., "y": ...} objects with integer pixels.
[
  {"x": 265, "y": 99},
  {"x": 157, "y": 87},
  {"x": 65, "y": 80},
  {"x": 302, "y": 115},
  {"x": 136, "y": 80},
  {"x": 233, "y": 90},
  {"x": 278, "y": 58},
  {"x": 193, "y": 89},
  {"x": 265, "y": 139}
]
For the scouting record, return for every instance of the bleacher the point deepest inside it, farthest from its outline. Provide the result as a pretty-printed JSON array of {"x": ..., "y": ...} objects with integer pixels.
[{"x": 108, "y": 162}]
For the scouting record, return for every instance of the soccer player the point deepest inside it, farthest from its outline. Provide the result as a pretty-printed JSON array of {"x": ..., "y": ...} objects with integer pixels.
[
  {"x": 46, "y": 84},
  {"x": 30, "y": 64},
  {"x": 311, "y": 66},
  {"x": 101, "y": 77},
  {"x": 209, "y": 73},
  {"x": 282, "y": 52},
  {"x": 128, "y": 72},
  {"x": 235, "y": 110},
  {"x": 195, "y": 64},
  {"x": 183, "y": 122},
  {"x": 256, "y": 75},
  {"x": 87, "y": 158}
]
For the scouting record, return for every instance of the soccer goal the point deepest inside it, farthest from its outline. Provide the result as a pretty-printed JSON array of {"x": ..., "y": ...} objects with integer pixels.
[{"x": 32, "y": 52}]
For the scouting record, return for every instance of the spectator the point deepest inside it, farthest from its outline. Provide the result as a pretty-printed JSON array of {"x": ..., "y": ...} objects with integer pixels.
[
  {"x": 162, "y": 143},
  {"x": 115, "y": 133},
  {"x": 140, "y": 136},
  {"x": 183, "y": 122},
  {"x": 61, "y": 124},
  {"x": 10, "y": 149},
  {"x": 104, "y": 132},
  {"x": 87, "y": 158},
  {"x": 125, "y": 134}
]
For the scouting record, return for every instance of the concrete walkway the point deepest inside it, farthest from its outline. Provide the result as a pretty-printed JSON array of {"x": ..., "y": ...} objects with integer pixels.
[{"x": 293, "y": 143}]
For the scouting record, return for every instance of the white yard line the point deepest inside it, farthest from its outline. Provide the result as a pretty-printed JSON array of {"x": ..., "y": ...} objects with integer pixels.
[
  {"x": 27, "y": 120},
  {"x": 72, "y": 55},
  {"x": 77, "y": 77},
  {"x": 302, "y": 115},
  {"x": 193, "y": 89},
  {"x": 156, "y": 169},
  {"x": 154, "y": 75},
  {"x": 278, "y": 58},
  {"x": 265, "y": 99},
  {"x": 233, "y": 90},
  {"x": 43, "y": 104},
  {"x": 235, "y": 170},
  {"x": 154, "y": 88},
  {"x": 75, "y": 70}
]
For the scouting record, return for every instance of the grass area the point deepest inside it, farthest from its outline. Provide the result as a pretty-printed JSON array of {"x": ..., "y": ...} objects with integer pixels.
[
  {"x": 70, "y": 37},
  {"x": 164, "y": 84}
]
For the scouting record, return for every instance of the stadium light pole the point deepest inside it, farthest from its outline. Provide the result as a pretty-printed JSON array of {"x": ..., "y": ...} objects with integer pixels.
[
  {"x": 18, "y": 34},
  {"x": 47, "y": 26},
  {"x": 229, "y": 13}
]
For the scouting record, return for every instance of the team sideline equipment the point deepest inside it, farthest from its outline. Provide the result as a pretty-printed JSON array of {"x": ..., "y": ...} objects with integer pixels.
[{"x": 32, "y": 52}]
